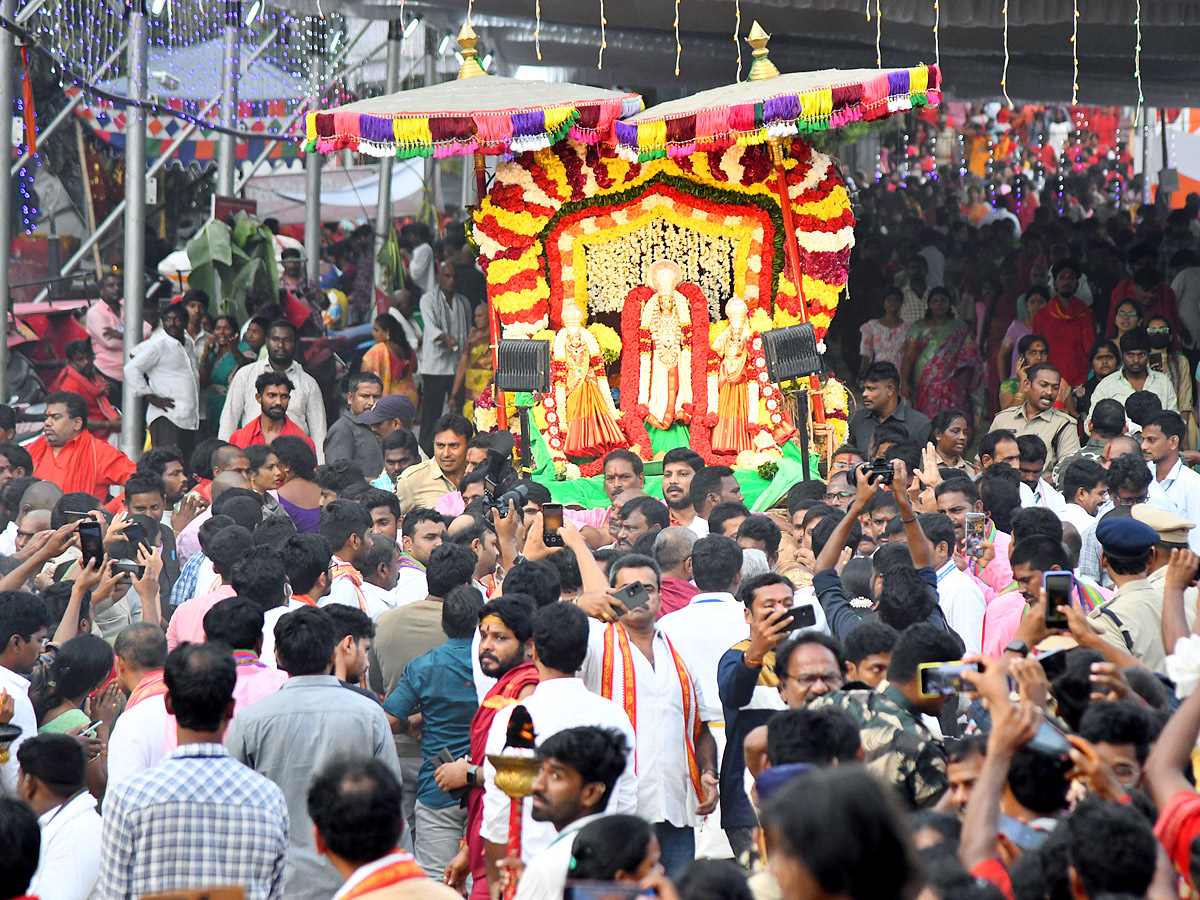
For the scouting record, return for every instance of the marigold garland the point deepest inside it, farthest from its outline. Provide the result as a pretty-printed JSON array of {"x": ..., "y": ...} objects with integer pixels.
[{"x": 536, "y": 191}]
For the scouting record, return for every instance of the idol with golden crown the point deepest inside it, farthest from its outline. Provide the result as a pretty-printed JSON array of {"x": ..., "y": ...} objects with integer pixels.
[{"x": 665, "y": 383}]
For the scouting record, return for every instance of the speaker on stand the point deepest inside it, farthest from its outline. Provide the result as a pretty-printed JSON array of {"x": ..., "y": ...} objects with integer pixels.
[
  {"x": 792, "y": 355},
  {"x": 523, "y": 367}
]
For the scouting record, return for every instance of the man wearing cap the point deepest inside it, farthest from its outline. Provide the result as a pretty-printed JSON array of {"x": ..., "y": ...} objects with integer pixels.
[
  {"x": 1132, "y": 619},
  {"x": 391, "y": 413},
  {"x": 350, "y": 439},
  {"x": 1067, "y": 325},
  {"x": 1173, "y": 533}
]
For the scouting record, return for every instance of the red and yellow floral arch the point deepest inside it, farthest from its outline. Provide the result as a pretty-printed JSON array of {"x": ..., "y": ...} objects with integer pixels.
[{"x": 545, "y": 205}]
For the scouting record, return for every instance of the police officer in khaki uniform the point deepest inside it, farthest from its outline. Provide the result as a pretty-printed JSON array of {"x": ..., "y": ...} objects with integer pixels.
[
  {"x": 1132, "y": 619},
  {"x": 1038, "y": 416}
]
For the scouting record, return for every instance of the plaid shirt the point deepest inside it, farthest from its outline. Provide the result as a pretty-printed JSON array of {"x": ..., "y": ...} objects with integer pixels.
[
  {"x": 197, "y": 819},
  {"x": 185, "y": 585}
]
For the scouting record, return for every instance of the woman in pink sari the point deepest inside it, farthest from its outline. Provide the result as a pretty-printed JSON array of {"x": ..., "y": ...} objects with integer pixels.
[{"x": 941, "y": 358}]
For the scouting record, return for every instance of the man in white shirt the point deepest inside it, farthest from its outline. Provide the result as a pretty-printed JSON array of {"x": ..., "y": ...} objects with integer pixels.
[
  {"x": 164, "y": 370},
  {"x": 710, "y": 486},
  {"x": 675, "y": 752},
  {"x": 1162, "y": 438},
  {"x": 380, "y": 567},
  {"x": 24, "y": 624},
  {"x": 1031, "y": 464},
  {"x": 1135, "y": 374},
  {"x": 579, "y": 768},
  {"x": 344, "y": 526},
  {"x": 421, "y": 532},
  {"x": 139, "y": 739},
  {"x": 959, "y": 596},
  {"x": 53, "y": 780},
  {"x": 712, "y": 622},
  {"x": 560, "y": 701},
  {"x": 1085, "y": 489},
  {"x": 306, "y": 407}
]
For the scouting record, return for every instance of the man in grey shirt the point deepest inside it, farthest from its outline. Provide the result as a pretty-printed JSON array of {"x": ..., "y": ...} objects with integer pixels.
[{"x": 295, "y": 732}]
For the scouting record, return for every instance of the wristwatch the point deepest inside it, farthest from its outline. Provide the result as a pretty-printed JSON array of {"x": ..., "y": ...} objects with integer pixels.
[
  {"x": 1018, "y": 647},
  {"x": 473, "y": 776}
]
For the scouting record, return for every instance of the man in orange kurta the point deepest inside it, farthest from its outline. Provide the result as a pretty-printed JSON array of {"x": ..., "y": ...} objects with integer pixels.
[
  {"x": 68, "y": 455},
  {"x": 1068, "y": 325}
]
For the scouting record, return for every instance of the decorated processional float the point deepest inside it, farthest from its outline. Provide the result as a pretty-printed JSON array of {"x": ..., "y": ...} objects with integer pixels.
[{"x": 652, "y": 253}]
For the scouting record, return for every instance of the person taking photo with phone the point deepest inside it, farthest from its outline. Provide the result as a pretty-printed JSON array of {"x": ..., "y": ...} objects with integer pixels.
[{"x": 632, "y": 660}]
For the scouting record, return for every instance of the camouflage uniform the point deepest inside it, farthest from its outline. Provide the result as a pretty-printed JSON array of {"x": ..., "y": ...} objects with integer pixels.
[
  {"x": 1093, "y": 450},
  {"x": 896, "y": 744}
]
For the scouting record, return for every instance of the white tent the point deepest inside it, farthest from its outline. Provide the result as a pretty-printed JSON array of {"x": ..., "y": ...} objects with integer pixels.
[{"x": 346, "y": 193}]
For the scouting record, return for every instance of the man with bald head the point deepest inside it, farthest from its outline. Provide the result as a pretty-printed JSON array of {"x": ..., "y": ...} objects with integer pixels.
[
  {"x": 673, "y": 553},
  {"x": 29, "y": 525},
  {"x": 188, "y": 540},
  {"x": 42, "y": 495},
  {"x": 230, "y": 458},
  {"x": 1122, "y": 445}
]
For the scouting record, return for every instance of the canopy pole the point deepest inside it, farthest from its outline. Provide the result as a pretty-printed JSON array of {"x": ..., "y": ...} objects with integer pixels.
[
  {"x": 383, "y": 205},
  {"x": 132, "y": 426},
  {"x": 792, "y": 250},
  {"x": 231, "y": 64},
  {"x": 312, "y": 161},
  {"x": 8, "y": 59}
]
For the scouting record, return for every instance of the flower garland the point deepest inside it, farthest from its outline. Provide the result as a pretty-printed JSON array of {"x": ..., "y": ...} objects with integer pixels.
[
  {"x": 517, "y": 227},
  {"x": 608, "y": 340}
]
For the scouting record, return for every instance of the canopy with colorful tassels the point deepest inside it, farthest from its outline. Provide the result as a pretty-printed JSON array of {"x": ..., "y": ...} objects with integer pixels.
[
  {"x": 486, "y": 114},
  {"x": 755, "y": 111}
]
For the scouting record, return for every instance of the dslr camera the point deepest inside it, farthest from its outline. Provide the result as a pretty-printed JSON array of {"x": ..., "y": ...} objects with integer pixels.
[{"x": 878, "y": 471}]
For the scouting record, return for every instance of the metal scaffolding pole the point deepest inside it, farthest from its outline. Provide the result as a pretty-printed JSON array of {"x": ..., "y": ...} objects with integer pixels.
[
  {"x": 431, "y": 58},
  {"x": 227, "y": 145},
  {"x": 135, "y": 219},
  {"x": 312, "y": 161},
  {"x": 383, "y": 209},
  {"x": 8, "y": 58}
]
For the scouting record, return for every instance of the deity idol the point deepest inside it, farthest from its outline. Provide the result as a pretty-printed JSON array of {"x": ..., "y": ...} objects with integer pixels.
[
  {"x": 581, "y": 390},
  {"x": 734, "y": 399},
  {"x": 665, "y": 386}
]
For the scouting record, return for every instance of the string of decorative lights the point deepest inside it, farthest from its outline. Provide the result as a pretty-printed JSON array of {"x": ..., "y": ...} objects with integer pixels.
[
  {"x": 678, "y": 45},
  {"x": 1137, "y": 61},
  {"x": 150, "y": 106},
  {"x": 1004, "y": 74},
  {"x": 737, "y": 35},
  {"x": 1075, "y": 53},
  {"x": 603, "y": 39},
  {"x": 878, "y": 33},
  {"x": 937, "y": 41}
]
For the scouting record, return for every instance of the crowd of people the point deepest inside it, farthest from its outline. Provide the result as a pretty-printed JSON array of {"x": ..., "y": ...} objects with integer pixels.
[{"x": 299, "y": 652}]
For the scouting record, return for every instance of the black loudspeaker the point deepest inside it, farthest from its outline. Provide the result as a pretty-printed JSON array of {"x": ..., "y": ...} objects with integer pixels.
[
  {"x": 791, "y": 352},
  {"x": 523, "y": 366}
]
